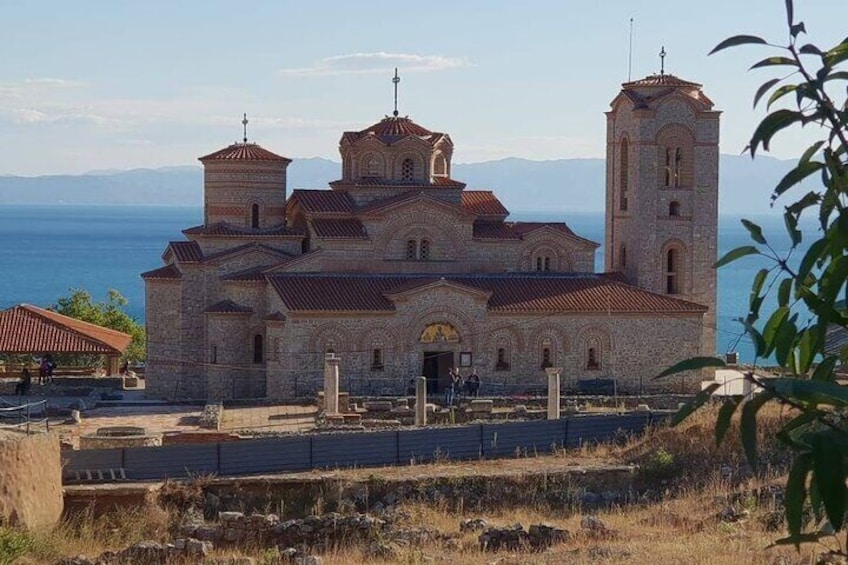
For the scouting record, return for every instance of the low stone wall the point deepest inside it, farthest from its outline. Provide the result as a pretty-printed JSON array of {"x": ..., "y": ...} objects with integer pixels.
[
  {"x": 120, "y": 436},
  {"x": 30, "y": 480}
]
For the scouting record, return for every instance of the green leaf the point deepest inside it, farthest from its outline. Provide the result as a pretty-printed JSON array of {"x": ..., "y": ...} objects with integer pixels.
[
  {"x": 735, "y": 254},
  {"x": 749, "y": 426},
  {"x": 806, "y": 350},
  {"x": 810, "y": 258},
  {"x": 773, "y": 62},
  {"x": 836, "y": 55},
  {"x": 692, "y": 364},
  {"x": 755, "y": 231},
  {"x": 780, "y": 93},
  {"x": 763, "y": 89},
  {"x": 829, "y": 468},
  {"x": 811, "y": 150},
  {"x": 784, "y": 340},
  {"x": 771, "y": 328},
  {"x": 797, "y": 28},
  {"x": 757, "y": 286},
  {"x": 790, "y": 13},
  {"x": 770, "y": 125},
  {"x": 810, "y": 49},
  {"x": 796, "y": 494},
  {"x": 811, "y": 392},
  {"x": 824, "y": 372},
  {"x": 725, "y": 414},
  {"x": 738, "y": 40},
  {"x": 783, "y": 292},
  {"x": 700, "y": 399},
  {"x": 806, "y": 201},
  {"x": 796, "y": 175}
]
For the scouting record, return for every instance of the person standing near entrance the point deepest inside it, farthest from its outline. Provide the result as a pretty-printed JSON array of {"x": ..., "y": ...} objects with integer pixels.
[
  {"x": 449, "y": 391},
  {"x": 472, "y": 384}
]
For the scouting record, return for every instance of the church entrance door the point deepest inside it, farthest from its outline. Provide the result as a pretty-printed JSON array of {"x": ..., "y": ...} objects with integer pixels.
[{"x": 436, "y": 367}]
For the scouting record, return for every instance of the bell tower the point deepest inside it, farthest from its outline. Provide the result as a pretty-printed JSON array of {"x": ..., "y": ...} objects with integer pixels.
[{"x": 662, "y": 191}]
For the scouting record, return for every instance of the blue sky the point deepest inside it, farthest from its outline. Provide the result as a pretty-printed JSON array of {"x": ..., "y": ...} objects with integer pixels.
[{"x": 90, "y": 85}]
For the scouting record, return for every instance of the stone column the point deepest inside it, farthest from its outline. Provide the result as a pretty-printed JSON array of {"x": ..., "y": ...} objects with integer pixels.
[
  {"x": 331, "y": 384},
  {"x": 421, "y": 401},
  {"x": 553, "y": 392}
]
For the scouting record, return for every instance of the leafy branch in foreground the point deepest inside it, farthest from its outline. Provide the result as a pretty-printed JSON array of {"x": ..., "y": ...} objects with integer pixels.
[{"x": 811, "y": 292}]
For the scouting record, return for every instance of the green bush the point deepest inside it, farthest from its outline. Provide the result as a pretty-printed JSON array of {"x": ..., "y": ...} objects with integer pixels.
[{"x": 13, "y": 544}]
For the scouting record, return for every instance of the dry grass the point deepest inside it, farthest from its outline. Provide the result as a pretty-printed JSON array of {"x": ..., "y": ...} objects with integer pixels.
[{"x": 687, "y": 478}]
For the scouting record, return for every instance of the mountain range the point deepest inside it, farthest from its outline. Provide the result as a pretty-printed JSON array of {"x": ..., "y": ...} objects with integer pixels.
[{"x": 563, "y": 185}]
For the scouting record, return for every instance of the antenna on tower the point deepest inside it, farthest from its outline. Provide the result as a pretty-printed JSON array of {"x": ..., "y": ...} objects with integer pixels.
[
  {"x": 244, "y": 125},
  {"x": 630, "y": 52}
]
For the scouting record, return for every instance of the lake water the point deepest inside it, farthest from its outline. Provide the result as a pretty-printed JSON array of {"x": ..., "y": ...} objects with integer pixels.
[{"x": 47, "y": 250}]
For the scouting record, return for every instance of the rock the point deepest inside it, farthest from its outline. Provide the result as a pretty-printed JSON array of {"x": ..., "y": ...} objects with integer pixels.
[
  {"x": 386, "y": 551},
  {"x": 545, "y": 535},
  {"x": 481, "y": 406},
  {"x": 731, "y": 515},
  {"x": 592, "y": 523},
  {"x": 379, "y": 406},
  {"x": 473, "y": 525},
  {"x": 230, "y": 516},
  {"x": 309, "y": 560},
  {"x": 512, "y": 538},
  {"x": 198, "y": 547},
  {"x": 520, "y": 409},
  {"x": 211, "y": 505}
]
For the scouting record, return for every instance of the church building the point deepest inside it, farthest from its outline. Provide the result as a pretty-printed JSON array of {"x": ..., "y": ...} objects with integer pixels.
[{"x": 400, "y": 270}]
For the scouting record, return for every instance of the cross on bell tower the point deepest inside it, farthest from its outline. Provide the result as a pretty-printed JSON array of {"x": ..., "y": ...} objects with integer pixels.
[
  {"x": 662, "y": 60},
  {"x": 244, "y": 125},
  {"x": 396, "y": 80}
]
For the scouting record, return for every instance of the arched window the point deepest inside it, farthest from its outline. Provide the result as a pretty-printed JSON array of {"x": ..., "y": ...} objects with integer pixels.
[
  {"x": 254, "y": 216},
  {"x": 623, "y": 173},
  {"x": 373, "y": 166},
  {"x": 424, "y": 250},
  {"x": 502, "y": 362},
  {"x": 678, "y": 165},
  {"x": 407, "y": 169},
  {"x": 547, "y": 264},
  {"x": 543, "y": 263},
  {"x": 258, "y": 354},
  {"x": 440, "y": 165},
  {"x": 592, "y": 359},
  {"x": 674, "y": 208},
  {"x": 546, "y": 358},
  {"x": 622, "y": 257},
  {"x": 411, "y": 250},
  {"x": 377, "y": 359},
  {"x": 668, "y": 171},
  {"x": 213, "y": 354},
  {"x": 538, "y": 263},
  {"x": 672, "y": 271}
]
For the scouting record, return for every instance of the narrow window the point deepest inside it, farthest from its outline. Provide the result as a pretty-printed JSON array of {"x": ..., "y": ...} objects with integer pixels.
[
  {"x": 592, "y": 360},
  {"x": 502, "y": 363},
  {"x": 258, "y": 355},
  {"x": 425, "y": 250},
  {"x": 622, "y": 257},
  {"x": 547, "y": 264},
  {"x": 213, "y": 354},
  {"x": 667, "y": 166},
  {"x": 678, "y": 165},
  {"x": 623, "y": 173},
  {"x": 674, "y": 208},
  {"x": 254, "y": 216},
  {"x": 546, "y": 357},
  {"x": 672, "y": 265},
  {"x": 377, "y": 359},
  {"x": 440, "y": 165},
  {"x": 411, "y": 250},
  {"x": 407, "y": 169}
]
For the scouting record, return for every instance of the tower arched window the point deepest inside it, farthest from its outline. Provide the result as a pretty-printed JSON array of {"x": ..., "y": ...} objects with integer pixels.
[
  {"x": 258, "y": 346},
  {"x": 411, "y": 250},
  {"x": 254, "y": 216},
  {"x": 407, "y": 169},
  {"x": 623, "y": 172},
  {"x": 547, "y": 353},
  {"x": 672, "y": 266},
  {"x": 668, "y": 170},
  {"x": 592, "y": 362},
  {"x": 424, "y": 250},
  {"x": 440, "y": 165},
  {"x": 678, "y": 165},
  {"x": 377, "y": 356},
  {"x": 418, "y": 250},
  {"x": 674, "y": 208},
  {"x": 543, "y": 263},
  {"x": 502, "y": 359}
]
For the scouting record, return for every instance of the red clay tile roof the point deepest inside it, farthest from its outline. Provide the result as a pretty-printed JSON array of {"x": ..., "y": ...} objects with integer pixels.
[
  {"x": 228, "y": 307},
  {"x": 523, "y": 228},
  {"x": 404, "y": 197},
  {"x": 494, "y": 230},
  {"x": 248, "y": 247},
  {"x": 483, "y": 203},
  {"x": 441, "y": 182},
  {"x": 186, "y": 251},
  {"x": 339, "y": 228},
  {"x": 167, "y": 272},
  {"x": 318, "y": 201},
  {"x": 391, "y": 129},
  {"x": 660, "y": 80},
  {"x": 275, "y": 317},
  {"x": 244, "y": 152},
  {"x": 517, "y": 293},
  {"x": 254, "y": 274},
  {"x": 30, "y": 329},
  {"x": 224, "y": 229}
]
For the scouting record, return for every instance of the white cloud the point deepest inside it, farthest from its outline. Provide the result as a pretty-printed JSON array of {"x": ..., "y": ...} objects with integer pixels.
[{"x": 374, "y": 63}]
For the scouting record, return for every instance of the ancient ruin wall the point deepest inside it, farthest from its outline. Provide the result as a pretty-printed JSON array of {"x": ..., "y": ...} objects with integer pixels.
[{"x": 30, "y": 480}]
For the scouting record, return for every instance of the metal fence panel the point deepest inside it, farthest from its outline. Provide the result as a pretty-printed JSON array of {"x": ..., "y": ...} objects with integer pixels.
[
  {"x": 588, "y": 429},
  {"x": 370, "y": 449},
  {"x": 451, "y": 443},
  {"x": 91, "y": 459},
  {"x": 171, "y": 461},
  {"x": 265, "y": 456},
  {"x": 504, "y": 440}
]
